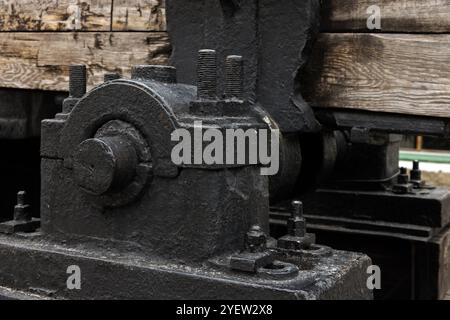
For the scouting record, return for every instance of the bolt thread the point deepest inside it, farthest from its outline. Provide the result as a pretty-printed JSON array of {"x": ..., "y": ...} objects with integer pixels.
[
  {"x": 207, "y": 74},
  {"x": 234, "y": 66},
  {"x": 77, "y": 81},
  {"x": 416, "y": 165},
  {"x": 297, "y": 209}
]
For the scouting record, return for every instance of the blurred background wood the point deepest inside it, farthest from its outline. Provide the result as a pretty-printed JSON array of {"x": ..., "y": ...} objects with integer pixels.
[
  {"x": 139, "y": 15},
  {"x": 401, "y": 68},
  {"x": 398, "y": 73},
  {"x": 55, "y": 15},
  {"x": 410, "y": 16},
  {"x": 40, "y": 60}
]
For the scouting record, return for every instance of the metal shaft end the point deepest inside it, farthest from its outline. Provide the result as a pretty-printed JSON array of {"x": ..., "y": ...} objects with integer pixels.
[{"x": 77, "y": 81}]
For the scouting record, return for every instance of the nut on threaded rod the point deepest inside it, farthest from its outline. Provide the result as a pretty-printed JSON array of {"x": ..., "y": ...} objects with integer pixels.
[
  {"x": 416, "y": 174},
  {"x": 77, "y": 81},
  {"x": 402, "y": 186},
  {"x": 297, "y": 237},
  {"x": 207, "y": 74},
  {"x": 256, "y": 239},
  {"x": 234, "y": 77}
]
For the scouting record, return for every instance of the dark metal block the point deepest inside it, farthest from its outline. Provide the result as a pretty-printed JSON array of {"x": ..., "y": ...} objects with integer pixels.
[
  {"x": 50, "y": 134},
  {"x": 414, "y": 268},
  {"x": 429, "y": 208},
  {"x": 406, "y": 235},
  {"x": 384, "y": 122},
  {"x": 107, "y": 271},
  {"x": 431, "y": 262},
  {"x": 11, "y": 227},
  {"x": 248, "y": 30},
  {"x": 142, "y": 225}
]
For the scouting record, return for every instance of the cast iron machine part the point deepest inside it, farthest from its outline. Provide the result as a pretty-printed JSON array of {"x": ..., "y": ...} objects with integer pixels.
[
  {"x": 342, "y": 163},
  {"x": 21, "y": 113},
  {"x": 139, "y": 225},
  {"x": 113, "y": 201}
]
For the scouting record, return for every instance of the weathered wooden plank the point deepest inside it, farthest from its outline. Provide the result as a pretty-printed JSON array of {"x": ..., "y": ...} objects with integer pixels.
[
  {"x": 40, "y": 60},
  {"x": 411, "y": 16},
  {"x": 401, "y": 73},
  {"x": 139, "y": 15},
  {"x": 55, "y": 15},
  {"x": 149, "y": 15}
]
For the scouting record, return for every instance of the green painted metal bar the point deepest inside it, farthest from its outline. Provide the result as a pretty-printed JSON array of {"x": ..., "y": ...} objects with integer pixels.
[{"x": 433, "y": 157}]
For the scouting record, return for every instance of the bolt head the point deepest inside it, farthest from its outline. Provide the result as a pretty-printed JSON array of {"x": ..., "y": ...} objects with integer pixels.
[
  {"x": 256, "y": 238},
  {"x": 297, "y": 208}
]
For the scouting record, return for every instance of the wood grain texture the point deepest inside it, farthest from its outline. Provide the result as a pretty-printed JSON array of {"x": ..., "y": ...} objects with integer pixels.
[
  {"x": 404, "y": 73},
  {"x": 41, "y": 60},
  {"x": 55, "y": 15},
  {"x": 411, "y": 16},
  {"x": 139, "y": 15}
]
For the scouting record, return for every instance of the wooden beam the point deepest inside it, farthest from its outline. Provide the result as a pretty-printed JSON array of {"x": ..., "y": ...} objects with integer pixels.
[
  {"x": 55, "y": 15},
  {"x": 411, "y": 16},
  {"x": 149, "y": 15},
  {"x": 40, "y": 60},
  {"x": 139, "y": 15},
  {"x": 400, "y": 73}
]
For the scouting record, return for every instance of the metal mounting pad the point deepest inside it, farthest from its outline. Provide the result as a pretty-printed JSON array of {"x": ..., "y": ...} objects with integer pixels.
[{"x": 340, "y": 276}]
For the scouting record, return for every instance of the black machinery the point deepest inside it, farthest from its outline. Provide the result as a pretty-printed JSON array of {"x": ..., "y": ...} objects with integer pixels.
[
  {"x": 138, "y": 225},
  {"x": 114, "y": 204}
]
